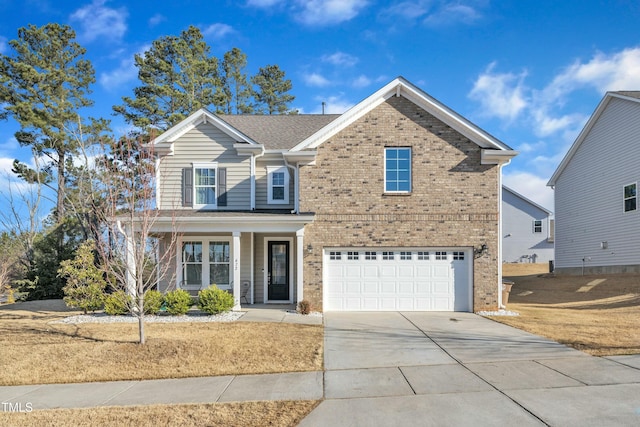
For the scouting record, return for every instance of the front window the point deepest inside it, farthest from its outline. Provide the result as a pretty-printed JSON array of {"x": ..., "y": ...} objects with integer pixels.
[
  {"x": 630, "y": 197},
  {"x": 206, "y": 262},
  {"x": 219, "y": 264},
  {"x": 204, "y": 185},
  {"x": 537, "y": 226},
  {"x": 192, "y": 263},
  {"x": 397, "y": 173},
  {"x": 278, "y": 185}
]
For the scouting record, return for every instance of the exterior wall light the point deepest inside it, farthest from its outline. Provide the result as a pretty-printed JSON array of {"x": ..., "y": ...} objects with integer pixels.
[
  {"x": 309, "y": 248},
  {"x": 481, "y": 251}
]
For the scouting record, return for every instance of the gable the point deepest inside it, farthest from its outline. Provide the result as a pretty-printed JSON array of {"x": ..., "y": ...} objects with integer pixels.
[
  {"x": 632, "y": 98},
  {"x": 402, "y": 88}
]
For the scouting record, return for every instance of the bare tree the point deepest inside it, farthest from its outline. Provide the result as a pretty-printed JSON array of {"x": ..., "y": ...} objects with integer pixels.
[{"x": 135, "y": 253}]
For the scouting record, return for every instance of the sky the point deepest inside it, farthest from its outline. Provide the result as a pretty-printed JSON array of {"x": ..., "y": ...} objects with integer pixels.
[{"x": 528, "y": 72}]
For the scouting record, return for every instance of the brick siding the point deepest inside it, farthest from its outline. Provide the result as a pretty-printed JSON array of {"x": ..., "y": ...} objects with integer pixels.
[{"x": 453, "y": 202}]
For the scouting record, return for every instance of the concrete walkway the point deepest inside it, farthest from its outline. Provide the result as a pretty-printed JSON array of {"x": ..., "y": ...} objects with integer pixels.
[{"x": 442, "y": 369}]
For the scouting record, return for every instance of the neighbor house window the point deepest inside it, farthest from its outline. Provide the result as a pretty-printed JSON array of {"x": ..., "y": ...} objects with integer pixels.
[
  {"x": 537, "y": 226},
  {"x": 397, "y": 170},
  {"x": 630, "y": 197},
  {"x": 204, "y": 185},
  {"x": 278, "y": 182}
]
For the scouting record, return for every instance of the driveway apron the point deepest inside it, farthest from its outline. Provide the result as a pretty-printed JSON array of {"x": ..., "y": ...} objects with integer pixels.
[{"x": 418, "y": 368}]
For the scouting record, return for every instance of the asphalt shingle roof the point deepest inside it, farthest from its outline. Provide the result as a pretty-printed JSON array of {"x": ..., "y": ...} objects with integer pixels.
[
  {"x": 629, "y": 93},
  {"x": 279, "y": 132}
]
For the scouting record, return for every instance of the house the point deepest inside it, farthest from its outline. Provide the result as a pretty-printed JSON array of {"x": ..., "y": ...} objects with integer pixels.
[
  {"x": 527, "y": 229},
  {"x": 393, "y": 205},
  {"x": 596, "y": 192}
]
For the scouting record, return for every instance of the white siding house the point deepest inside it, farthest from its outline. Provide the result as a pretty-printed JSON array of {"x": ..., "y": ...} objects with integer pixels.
[
  {"x": 527, "y": 229},
  {"x": 596, "y": 208}
]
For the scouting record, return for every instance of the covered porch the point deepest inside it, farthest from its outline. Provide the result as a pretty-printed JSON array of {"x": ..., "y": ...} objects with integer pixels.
[{"x": 256, "y": 256}]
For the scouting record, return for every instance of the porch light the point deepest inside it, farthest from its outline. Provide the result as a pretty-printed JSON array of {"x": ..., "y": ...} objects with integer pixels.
[
  {"x": 309, "y": 248},
  {"x": 481, "y": 251}
]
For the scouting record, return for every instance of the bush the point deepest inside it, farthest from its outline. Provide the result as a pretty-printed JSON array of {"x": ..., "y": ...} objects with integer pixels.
[
  {"x": 85, "y": 282},
  {"x": 304, "y": 307},
  {"x": 178, "y": 302},
  {"x": 215, "y": 300},
  {"x": 117, "y": 303},
  {"x": 152, "y": 302}
]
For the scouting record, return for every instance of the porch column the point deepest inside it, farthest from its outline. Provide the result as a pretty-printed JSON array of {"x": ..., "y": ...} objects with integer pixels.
[
  {"x": 299, "y": 264},
  {"x": 236, "y": 270},
  {"x": 129, "y": 257}
]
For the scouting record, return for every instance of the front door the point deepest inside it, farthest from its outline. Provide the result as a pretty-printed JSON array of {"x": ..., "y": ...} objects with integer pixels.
[{"x": 278, "y": 274}]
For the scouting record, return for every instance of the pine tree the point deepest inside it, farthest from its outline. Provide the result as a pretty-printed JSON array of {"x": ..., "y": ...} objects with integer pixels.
[
  {"x": 271, "y": 95},
  {"x": 235, "y": 83}
]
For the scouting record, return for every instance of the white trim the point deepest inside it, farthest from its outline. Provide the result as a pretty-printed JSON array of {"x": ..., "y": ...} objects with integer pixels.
[
  {"x": 300, "y": 265},
  {"x": 205, "y": 240},
  {"x": 210, "y": 165},
  {"x": 252, "y": 268},
  {"x": 235, "y": 269},
  {"x": 270, "y": 171},
  {"x": 266, "y": 269}
]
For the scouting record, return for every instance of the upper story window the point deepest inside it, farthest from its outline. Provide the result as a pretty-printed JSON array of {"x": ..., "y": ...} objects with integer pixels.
[
  {"x": 630, "y": 197},
  {"x": 278, "y": 178},
  {"x": 537, "y": 226},
  {"x": 397, "y": 170},
  {"x": 204, "y": 185}
]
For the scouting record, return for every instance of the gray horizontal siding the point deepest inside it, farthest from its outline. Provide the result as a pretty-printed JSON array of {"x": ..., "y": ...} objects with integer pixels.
[
  {"x": 517, "y": 228},
  {"x": 201, "y": 145},
  {"x": 589, "y": 193},
  {"x": 262, "y": 184}
]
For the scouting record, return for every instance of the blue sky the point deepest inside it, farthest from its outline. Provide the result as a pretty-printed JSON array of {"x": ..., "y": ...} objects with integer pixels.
[{"x": 528, "y": 72}]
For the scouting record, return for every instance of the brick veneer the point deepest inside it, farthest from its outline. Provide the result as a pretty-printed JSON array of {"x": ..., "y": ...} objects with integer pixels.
[{"x": 454, "y": 199}]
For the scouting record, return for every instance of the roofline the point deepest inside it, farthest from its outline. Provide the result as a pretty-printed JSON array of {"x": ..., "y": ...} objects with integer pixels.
[
  {"x": 195, "y": 119},
  {"x": 602, "y": 105},
  {"x": 531, "y": 202},
  {"x": 402, "y": 87}
]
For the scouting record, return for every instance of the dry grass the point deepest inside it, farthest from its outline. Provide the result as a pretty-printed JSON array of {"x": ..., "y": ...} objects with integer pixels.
[
  {"x": 36, "y": 351},
  {"x": 596, "y": 314},
  {"x": 281, "y": 413}
]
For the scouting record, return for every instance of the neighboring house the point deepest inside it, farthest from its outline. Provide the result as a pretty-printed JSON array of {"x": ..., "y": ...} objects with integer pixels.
[
  {"x": 393, "y": 205},
  {"x": 596, "y": 192},
  {"x": 527, "y": 229}
]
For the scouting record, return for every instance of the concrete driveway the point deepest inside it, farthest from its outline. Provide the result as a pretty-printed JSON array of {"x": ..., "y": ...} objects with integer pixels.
[{"x": 386, "y": 369}]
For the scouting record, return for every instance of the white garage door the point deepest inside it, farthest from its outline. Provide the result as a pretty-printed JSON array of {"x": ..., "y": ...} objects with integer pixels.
[{"x": 367, "y": 279}]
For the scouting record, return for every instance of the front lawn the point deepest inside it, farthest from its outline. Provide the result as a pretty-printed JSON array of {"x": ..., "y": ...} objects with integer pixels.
[
  {"x": 34, "y": 350},
  {"x": 599, "y": 314}
]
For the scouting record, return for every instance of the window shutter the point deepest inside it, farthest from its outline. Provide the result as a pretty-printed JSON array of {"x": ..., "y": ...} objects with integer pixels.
[
  {"x": 187, "y": 187},
  {"x": 222, "y": 186}
]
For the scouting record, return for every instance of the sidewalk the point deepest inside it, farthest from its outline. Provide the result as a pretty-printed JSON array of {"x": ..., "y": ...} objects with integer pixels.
[{"x": 238, "y": 388}]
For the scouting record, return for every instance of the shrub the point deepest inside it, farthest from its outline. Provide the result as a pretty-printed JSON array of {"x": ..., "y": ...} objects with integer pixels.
[
  {"x": 85, "y": 283},
  {"x": 304, "y": 307},
  {"x": 215, "y": 300},
  {"x": 117, "y": 303},
  {"x": 152, "y": 302},
  {"x": 178, "y": 302}
]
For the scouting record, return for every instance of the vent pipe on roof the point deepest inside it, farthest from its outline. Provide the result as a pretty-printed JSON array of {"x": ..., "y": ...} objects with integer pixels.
[{"x": 323, "y": 105}]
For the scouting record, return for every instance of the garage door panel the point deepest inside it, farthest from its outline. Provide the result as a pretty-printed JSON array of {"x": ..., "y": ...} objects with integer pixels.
[{"x": 408, "y": 280}]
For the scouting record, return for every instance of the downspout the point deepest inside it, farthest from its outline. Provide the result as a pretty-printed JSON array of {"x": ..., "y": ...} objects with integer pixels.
[
  {"x": 296, "y": 169},
  {"x": 500, "y": 305},
  {"x": 253, "y": 178}
]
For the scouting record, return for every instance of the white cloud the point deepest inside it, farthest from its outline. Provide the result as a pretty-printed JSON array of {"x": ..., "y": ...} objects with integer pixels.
[
  {"x": 217, "y": 30},
  {"x": 531, "y": 186},
  {"x": 435, "y": 13},
  {"x": 361, "y": 81},
  {"x": 327, "y": 12},
  {"x": 341, "y": 59},
  {"x": 315, "y": 79},
  {"x": 156, "y": 19},
  {"x": 500, "y": 94},
  {"x": 263, "y": 3},
  {"x": 453, "y": 13},
  {"x": 98, "y": 21},
  {"x": 335, "y": 104},
  {"x": 126, "y": 72}
]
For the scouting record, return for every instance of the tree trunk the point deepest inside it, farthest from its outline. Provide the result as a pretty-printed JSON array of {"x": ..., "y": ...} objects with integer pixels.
[{"x": 141, "y": 316}]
